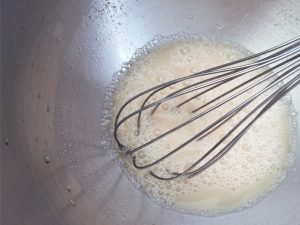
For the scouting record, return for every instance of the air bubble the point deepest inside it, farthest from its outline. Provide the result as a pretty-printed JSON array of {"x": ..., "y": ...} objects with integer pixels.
[
  {"x": 160, "y": 79},
  {"x": 185, "y": 50},
  {"x": 165, "y": 106},
  {"x": 136, "y": 133},
  {"x": 190, "y": 17}
]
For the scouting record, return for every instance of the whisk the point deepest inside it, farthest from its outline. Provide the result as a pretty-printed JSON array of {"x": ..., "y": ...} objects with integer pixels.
[{"x": 281, "y": 74}]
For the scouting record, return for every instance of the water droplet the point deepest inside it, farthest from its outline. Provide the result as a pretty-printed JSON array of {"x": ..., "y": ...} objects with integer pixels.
[
  {"x": 103, "y": 143},
  {"x": 6, "y": 141},
  {"x": 46, "y": 159},
  {"x": 73, "y": 203},
  {"x": 219, "y": 26},
  {"x": 69, "y": 189}
]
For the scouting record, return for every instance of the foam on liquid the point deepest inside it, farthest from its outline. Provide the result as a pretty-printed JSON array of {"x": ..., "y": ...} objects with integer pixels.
[{"x": 248, "y": 172}]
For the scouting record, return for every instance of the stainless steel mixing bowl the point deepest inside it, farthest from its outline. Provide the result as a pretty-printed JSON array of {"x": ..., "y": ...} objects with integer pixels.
[{"x": 57, "y": 58}]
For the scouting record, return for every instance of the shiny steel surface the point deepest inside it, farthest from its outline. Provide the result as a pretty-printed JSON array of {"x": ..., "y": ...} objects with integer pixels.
[{"x": 57, "y": 58}]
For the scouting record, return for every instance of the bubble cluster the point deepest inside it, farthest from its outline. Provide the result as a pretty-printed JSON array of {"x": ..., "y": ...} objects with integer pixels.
[{"x": 249, "y": 171}]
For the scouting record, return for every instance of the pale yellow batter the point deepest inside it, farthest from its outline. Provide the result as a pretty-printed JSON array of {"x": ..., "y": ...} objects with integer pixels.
[{"x": 242, "y": 176}]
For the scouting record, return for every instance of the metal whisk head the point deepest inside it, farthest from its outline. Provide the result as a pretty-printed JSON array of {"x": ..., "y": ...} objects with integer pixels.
[{"x": 278, "y": 72}]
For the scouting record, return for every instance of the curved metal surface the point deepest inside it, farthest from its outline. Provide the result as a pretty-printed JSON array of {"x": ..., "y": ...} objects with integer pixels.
[{"x": 57, "y": 58}]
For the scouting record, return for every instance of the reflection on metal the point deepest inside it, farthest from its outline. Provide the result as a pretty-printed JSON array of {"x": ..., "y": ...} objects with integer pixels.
[{"x": 75, "y": 47}]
